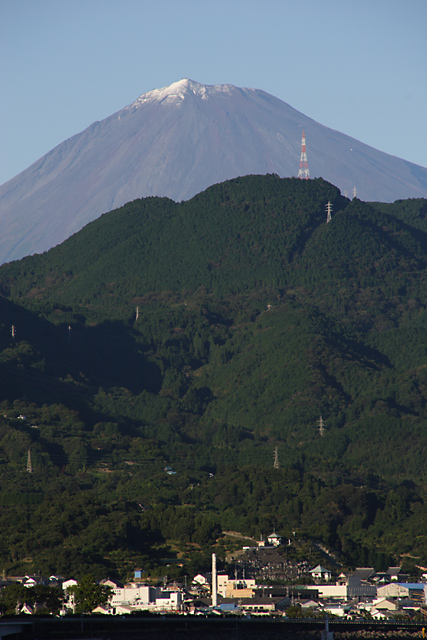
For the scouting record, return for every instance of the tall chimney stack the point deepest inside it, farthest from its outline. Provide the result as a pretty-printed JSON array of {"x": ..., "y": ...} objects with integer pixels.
[{"x": 214, "y": 582}]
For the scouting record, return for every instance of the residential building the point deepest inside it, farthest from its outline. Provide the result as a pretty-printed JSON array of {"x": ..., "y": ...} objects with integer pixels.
[
  {"x": 203, "y": 579},
  {"x": 384, "y": 603}
]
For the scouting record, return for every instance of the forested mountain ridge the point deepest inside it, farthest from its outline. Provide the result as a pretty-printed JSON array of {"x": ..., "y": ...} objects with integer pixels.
[
  {"x": 175, "y": 142},
  {"x": 214, "y": 240},
  {"x": 200, "y": 336}
]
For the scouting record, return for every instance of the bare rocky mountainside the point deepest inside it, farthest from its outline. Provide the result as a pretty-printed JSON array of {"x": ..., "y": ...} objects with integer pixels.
[{"x": 176, "y": 142}]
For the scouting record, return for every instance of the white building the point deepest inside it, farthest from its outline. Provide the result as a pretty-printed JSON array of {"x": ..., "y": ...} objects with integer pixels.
[
  {"x": 384, "y": 603},
  {"x": 69, "y": 597},
  {"x": 235, "y": 588},
  {"x": 333, "y": 591},
  {"x": 169, "y": 601},
  {"x": 202, "y": 580},
  {"x": 69, "y": 583},
  {"x": 134, "y": 594},
  {"x": 341, "y": 610},
  {"x": 136, "y": 597},
  {"x": 352, "y": 588}
]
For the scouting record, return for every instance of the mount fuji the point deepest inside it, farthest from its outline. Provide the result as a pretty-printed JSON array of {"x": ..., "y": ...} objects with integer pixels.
[{"x": 176, "y": 142}]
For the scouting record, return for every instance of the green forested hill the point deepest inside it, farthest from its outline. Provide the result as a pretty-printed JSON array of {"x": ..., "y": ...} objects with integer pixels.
[
  {"x": 196, "y": 338},
  {"x": 233, "y": 237}
]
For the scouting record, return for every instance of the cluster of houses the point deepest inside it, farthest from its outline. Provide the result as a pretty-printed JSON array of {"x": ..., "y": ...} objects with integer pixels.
[
  {"x": 357, "y": 595},
  {"x": 362, "y": 593},
  {"x": 137, "y": 596},
  {"x": 133, "y": 596},
  {"x": 381, "y": 595}
]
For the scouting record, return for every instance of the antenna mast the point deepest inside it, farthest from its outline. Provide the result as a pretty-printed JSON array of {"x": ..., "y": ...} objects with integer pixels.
[{"x": 303, "y": 172}]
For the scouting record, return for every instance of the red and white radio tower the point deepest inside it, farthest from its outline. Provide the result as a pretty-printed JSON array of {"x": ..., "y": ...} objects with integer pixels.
[{"x": 303, "y": 172}]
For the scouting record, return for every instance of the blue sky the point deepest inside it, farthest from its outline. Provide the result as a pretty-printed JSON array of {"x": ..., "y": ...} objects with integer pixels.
[{"x": 358, "y": 66}]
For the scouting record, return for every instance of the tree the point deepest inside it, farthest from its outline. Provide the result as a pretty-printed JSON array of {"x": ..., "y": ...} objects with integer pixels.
[
  {"x": 49, "y": 597},
  {"x": 11, "y": 596},
  {"x": 88, "y": 594}
]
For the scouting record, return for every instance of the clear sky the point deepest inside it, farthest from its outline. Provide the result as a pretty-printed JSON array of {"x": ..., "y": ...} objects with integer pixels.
[{"x": 358, "y": 66}]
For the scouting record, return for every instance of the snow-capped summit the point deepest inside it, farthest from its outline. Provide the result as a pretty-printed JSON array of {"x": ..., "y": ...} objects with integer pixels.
[
  {"x": 175, "y": 142},
  {"x": 178, "y": 91}
]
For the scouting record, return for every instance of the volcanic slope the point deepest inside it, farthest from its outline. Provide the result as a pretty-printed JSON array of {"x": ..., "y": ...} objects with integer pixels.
[{"x": 175, "y": 142}]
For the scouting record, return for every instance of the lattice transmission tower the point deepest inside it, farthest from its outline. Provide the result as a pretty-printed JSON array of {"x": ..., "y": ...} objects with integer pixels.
[
  {"x": 276, "y": 463},
  {"x": 29, "y": 463},
  {"x": 303, "y": 172},
  {"x": 328, "y": 212},
  {"x": 321, "y": 424}
]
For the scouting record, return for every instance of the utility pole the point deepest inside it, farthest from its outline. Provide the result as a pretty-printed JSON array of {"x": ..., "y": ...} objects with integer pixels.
[
  {"x": 328, "y": 212},
  {"x": 303, "y": 172}
]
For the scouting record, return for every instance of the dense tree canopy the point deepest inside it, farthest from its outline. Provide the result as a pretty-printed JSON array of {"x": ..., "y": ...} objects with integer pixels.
[
  {"x": 163, "y": 353},
  {"x": 89, "y": 594}
]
